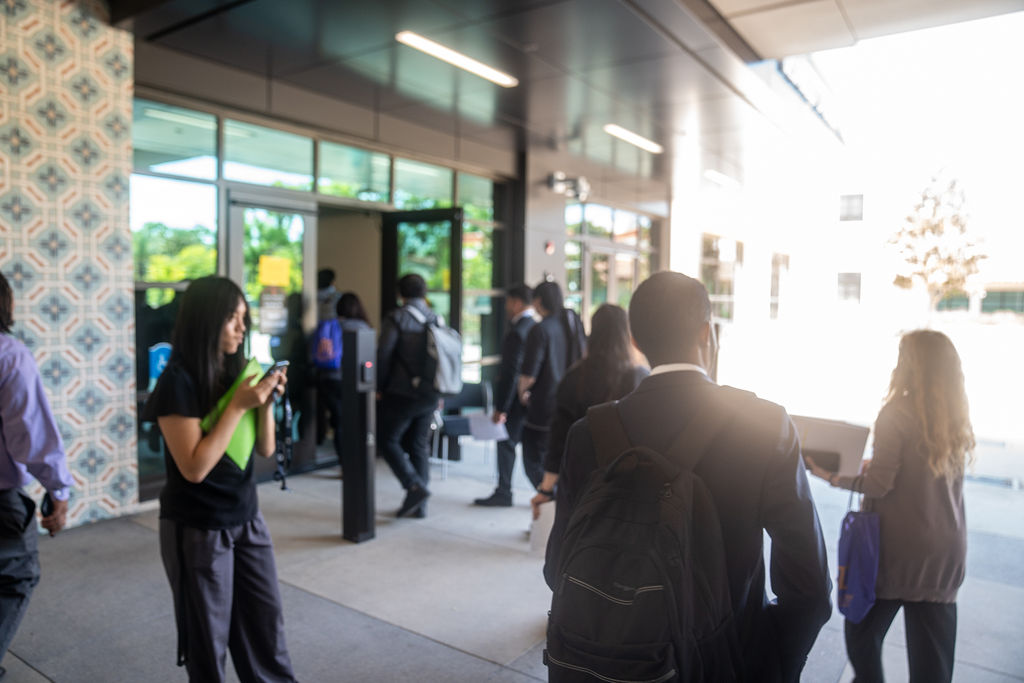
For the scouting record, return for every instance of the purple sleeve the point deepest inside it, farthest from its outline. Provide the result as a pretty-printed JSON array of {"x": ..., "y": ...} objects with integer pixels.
[{"x": 31, "y": 440}]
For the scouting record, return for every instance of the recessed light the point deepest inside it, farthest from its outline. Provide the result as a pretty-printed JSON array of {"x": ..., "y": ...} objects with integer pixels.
[
  {"x": 633, "y": 139},
  {"x": 446, "y": 54}
]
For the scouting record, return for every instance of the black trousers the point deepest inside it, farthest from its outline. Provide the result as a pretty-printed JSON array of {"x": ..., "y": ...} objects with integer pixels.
[
  {"x": 507, "y": 452},
  {"x": 19, "y": 561},
  {"x": 931, "y": 640},
  {"x": 405, "y": 424},
  {"x": 226, "y": 599},
  {"x": 535, "y": 449},
  {"x": 328, "y": 411}
]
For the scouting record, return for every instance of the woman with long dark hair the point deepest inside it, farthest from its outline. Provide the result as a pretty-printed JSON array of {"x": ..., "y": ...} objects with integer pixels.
[
  {"x": 605, "y": 374},
  {"x": 552, "y": 345},
  {"x": 213, "y": 415},
  {"x": 914, "y": 481}
]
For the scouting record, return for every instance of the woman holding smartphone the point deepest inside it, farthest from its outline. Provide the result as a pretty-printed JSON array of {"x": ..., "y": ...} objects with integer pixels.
[
  {"x": 213, "y": 415},
  {"x": 914, "y": 481}
]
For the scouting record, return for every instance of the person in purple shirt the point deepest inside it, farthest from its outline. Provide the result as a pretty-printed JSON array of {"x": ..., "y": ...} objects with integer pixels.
[{"x": 30, "y": 444}]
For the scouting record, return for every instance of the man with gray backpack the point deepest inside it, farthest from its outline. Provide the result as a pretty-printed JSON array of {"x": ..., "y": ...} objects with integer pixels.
[
  {"x": 419, "y": 362},
  {"x": 656, "y": 556}
]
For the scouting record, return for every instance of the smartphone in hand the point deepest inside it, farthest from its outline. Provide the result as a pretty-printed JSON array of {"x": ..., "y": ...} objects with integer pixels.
[
  {"x": 46, "y": 506},
  {"x": 279, "y": 365}
]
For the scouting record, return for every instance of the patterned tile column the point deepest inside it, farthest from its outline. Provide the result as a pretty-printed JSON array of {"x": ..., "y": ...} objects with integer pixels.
[{"x": 65, "y": 156}]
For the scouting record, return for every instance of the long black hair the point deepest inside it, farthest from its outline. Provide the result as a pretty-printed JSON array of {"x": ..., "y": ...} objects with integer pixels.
[
  {"x": 351, "y": 308},
  {"x": 6, "y": 305},
  {"x": 206, "y": 306},
  {"x": 609, "y": 357}
]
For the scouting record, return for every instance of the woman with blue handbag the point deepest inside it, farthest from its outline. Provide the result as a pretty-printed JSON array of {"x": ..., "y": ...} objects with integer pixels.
[{"x": 914, "y": 482}]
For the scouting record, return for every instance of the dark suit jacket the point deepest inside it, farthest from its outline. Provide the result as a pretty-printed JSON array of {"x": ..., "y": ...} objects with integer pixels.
[
  {"x": 512, "y": 347},
  {"x": 756, "y": 477}
]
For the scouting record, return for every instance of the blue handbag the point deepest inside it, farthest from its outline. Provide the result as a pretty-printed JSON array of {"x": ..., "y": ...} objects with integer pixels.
[{"x": 858, "y": 563}]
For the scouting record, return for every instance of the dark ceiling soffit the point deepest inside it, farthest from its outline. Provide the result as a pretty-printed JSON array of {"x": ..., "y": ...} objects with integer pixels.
[
  {"x": 123, "y": 10},
  {"x": 191, "y": 21},
  {"x": 723, "y": 30}
]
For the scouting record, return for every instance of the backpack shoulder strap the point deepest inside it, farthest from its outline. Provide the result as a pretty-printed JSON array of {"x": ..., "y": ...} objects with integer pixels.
[
  {"x": 415, "y": 313},
  {"x": 608, "y": 433}
]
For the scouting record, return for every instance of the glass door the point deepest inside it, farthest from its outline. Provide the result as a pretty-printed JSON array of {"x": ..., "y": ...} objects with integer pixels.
[
  {"x": 428, "y": 243},
  {"x": 271, "y": 254}
]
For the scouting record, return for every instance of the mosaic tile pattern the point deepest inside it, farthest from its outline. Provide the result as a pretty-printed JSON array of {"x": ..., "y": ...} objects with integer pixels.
[{"x": 65, "y": 156}]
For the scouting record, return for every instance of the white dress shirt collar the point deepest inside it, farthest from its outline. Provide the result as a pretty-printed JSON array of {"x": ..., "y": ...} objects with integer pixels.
[{"x": 678, "y": 367}]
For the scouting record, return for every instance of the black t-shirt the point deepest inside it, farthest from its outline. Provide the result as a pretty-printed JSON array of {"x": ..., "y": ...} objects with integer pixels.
[
  {"x": 227, "y": 496},
  {"x": 552, "y": 345}
]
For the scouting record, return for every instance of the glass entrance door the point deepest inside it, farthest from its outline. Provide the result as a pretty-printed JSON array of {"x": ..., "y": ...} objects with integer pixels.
[
  {"x": 271, "y": 247},
  {"x": 428, "y": 243}
]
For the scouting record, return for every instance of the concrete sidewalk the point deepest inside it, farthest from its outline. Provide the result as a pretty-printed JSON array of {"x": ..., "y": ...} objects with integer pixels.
[{"x": 455, "y": 597}]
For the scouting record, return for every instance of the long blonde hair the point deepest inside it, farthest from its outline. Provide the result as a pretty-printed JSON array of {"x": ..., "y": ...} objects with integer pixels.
[{"x": 928, "y": 372}]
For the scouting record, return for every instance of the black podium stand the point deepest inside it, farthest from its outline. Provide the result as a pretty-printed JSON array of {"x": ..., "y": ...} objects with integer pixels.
[{"x": 358, "y": 434}]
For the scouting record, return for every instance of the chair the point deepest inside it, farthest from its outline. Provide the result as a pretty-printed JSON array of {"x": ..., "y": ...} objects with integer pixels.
[{"x": 451, "y": 424}]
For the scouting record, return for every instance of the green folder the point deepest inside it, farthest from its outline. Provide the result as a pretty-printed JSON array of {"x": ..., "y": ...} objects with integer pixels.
[{"x": 244, "y": 439}]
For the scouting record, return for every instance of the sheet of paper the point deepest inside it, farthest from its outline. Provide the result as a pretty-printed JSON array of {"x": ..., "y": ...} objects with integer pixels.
[{"x": 482, "y": 428}]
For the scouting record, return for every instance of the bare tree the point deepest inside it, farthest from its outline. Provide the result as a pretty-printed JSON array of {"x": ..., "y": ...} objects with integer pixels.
[{"x": 935, "y": 244}]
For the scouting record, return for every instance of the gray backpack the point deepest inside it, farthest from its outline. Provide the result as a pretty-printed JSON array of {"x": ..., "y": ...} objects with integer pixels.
[{"x": 442, "y": 357}]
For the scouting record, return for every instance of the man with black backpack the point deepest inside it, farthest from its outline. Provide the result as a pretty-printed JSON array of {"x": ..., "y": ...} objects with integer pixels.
[
  {"x": 656, "y": 556},
  {"x": 418, "y": 362}
]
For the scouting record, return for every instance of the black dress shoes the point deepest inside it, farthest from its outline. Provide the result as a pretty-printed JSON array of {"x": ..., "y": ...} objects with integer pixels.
[
  {"x": 495, "y": 500},
  {"x": 413, "y": 502}
]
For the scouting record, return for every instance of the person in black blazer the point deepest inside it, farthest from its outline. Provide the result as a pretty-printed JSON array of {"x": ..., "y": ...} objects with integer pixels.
[
  {"x": 507, "y": 407},
  {"x": 752, "y": 468}
]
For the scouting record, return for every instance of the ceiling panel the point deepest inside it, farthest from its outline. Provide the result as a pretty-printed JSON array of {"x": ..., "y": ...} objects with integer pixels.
[
  {"x": 675, "y": 78},
  {"x": 873, "y": 18},
  {"x": 795, "y": 29}
]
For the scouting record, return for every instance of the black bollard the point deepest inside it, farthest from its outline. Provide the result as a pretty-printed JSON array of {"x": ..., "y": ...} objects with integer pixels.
[{"x": 358, "y": 434}]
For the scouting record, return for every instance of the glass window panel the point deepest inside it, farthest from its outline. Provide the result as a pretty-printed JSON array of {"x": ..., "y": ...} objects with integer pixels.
[
  {"x": 422, "y": 186},
  {"x": 599, "y": 220},
  {"x": 574, "y": 276},
  {"x": 599, "y": 264},
  {"x": 624, "y": 267},
  {"x": 477, "y": 257},
  {"x": 264, "y": 156},
  {"x": 643, "y": 267},
  {"x": 480, "y": 314},
  {"x": 425, "y": 249},
  {"x": 174, "y": 230},
  {"x": 353, "y": 172},
  {"x": 625, "y": 227},
  {"x": 574, "y": 219},
  {"x": 476, "y": 197},
  {"x": 643, "y": 228},
  {"x": 174, "y": 140},
  {"x": 272, "y": 250}
]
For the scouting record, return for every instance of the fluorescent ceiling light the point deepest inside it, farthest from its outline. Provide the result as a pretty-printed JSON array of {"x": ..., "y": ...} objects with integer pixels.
[
  {"x": 454, "y": 58},
  {"x": 633, "y": 139}
]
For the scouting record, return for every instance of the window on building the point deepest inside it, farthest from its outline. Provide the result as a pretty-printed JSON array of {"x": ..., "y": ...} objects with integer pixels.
[
  {"x": 849, "y": 287},
  {"x": 173, "y": 140},
  {"x": 720, "y": 259},
  {"x": 482, "y": 276},
  {"x": 954, "y": 302},
  {"x": 265, "y": 156},
  {"x": 851, "y": 207},
  {"x": 574, "y": 219},
  {"x": 780, "y": 266},
  {"x": 354, "y": 173},
  {"x": 574, "y": 276},
  {"x": 1003, "y": 301},
  {"x": 422, "y": 186}
]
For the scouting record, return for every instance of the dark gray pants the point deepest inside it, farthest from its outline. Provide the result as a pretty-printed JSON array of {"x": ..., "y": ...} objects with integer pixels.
[
  {"x": 19, "y": 561},
  {"x": 535, "y": 450},
  {"x": 226, "y": 599},
  {"x": 506, "y": 451},
  {"x": 931, "y": 640},
  {"x": 405, "y": 426}
]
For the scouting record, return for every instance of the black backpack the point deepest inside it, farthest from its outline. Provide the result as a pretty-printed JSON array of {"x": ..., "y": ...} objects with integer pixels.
[{"x": 642, "y": 593}]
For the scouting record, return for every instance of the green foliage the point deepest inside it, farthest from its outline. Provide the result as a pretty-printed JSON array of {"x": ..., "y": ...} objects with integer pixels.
[
  {"x": 425, "y": 249},
  {"x": 477, "y": 258},
  {"x": 935, "y": 244},
  {"x": 164, "y": 254},
  {"x": 269, "y": 233}
]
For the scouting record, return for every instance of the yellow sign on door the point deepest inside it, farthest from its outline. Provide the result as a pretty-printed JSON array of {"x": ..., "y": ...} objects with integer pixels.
[{"x": 274, "y": 271}]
